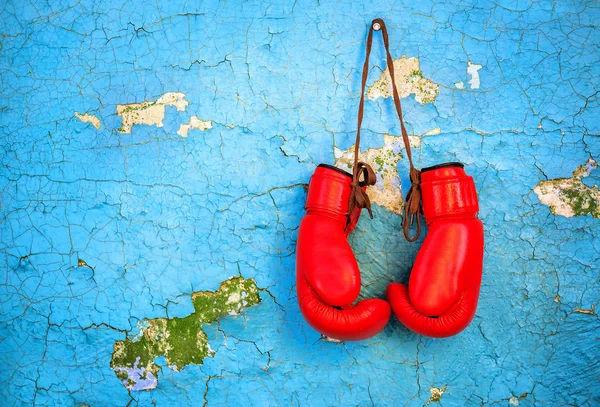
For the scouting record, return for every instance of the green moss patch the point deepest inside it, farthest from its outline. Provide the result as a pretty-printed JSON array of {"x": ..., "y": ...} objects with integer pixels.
[{"x": 181, "y": 340}]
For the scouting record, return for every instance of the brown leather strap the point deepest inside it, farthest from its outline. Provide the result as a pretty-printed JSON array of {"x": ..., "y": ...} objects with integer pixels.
[{"x": 358, "y": 196}]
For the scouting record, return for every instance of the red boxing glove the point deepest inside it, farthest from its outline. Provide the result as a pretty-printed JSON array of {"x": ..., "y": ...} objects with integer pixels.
[
  {"x": 327, "y": 275},
  {"x": 443, "y": 289}
]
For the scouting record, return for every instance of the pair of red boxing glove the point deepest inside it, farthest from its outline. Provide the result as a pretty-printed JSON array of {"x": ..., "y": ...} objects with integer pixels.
[{"x": 443, "y": 290}]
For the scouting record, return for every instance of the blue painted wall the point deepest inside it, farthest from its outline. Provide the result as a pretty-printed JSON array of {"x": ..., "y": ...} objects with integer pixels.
[{"x": 157, "y": 216}]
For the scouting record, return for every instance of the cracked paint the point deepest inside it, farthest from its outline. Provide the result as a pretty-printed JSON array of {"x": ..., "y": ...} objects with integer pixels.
[
  {"x": 409, "y": 80},
  {"x": 103, "y": 231},
  {"x": 570, "y": 196},
  {"x": 181, "y": 341},
  {"x": 149, "y": 113}
]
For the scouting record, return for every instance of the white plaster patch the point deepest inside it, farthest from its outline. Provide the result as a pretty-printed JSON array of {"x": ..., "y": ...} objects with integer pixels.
[
  {"x": 88, "y": 118},
  {"x": 460, "y": 85},
  {"x": 513, "y": 401},
  {"x": 472, "y": 69},
  {"x": 194, "y": 123},
  {"x": 149, "y": 113},
  {"x": 409, "y": 79}
]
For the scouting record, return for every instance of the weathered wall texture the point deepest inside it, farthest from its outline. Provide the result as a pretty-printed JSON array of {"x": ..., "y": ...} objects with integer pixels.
[{"x": 152, "y": 178}]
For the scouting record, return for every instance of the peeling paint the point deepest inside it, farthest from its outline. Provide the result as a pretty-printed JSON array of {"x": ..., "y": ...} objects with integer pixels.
[
  {"x": 591, "y": 311},
  {"x": 158, "y": 217},
  {"x": 137, "y": 378},
  {"x": 387, "y": 191},
  {"x": 194, "y": 123},
  {"x": 81, "y": 263},
  {"x": 432, "y": 132},
  {"x": 181, "y": 341},
  {"x": 473, "y": 71},
  {"x": 409, "y": 80},
  {"x": 436, "y": 395},
  {"x": 88, "y": 118},
  {"x": 570, "y": 196},
  {"x": 150, "y": 113}
]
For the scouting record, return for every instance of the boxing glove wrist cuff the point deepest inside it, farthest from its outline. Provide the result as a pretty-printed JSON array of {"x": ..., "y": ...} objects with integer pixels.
[
  {"x": 329, "y": 191},
  {"x": 449, "y": 197}
]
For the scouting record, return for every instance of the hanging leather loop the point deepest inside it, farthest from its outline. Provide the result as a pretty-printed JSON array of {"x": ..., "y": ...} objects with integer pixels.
[{"x": 358, "y": 197}]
